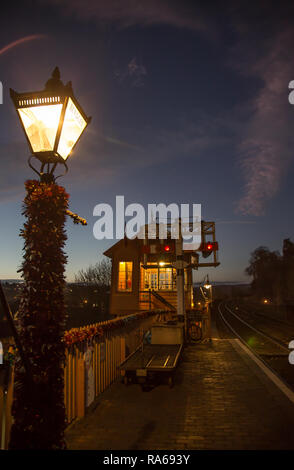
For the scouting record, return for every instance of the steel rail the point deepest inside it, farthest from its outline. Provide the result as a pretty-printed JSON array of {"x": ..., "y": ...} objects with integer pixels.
[
  {"x": 260, "y": 332},
  {"x": 259, "y": 357}
]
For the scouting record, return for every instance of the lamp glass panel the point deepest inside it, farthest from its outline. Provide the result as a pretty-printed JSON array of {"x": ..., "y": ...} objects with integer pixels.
[
  {"x": 73, "y": 126},
  {"x": 41, "y": 124}
]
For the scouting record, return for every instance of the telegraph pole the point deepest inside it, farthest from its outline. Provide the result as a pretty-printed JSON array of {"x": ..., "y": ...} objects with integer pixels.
[{"x": 180, "y": 278}]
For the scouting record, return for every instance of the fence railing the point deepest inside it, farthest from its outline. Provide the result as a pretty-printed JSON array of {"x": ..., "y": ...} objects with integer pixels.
[
  {"x": 93, "y": 356},
  {"x": 92, "y": 365}
]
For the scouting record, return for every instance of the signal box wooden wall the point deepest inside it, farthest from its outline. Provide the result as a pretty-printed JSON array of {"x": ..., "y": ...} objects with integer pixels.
[{"x": 132, "y": 281}]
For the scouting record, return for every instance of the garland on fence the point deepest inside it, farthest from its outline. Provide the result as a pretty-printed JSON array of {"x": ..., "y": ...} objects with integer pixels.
[
  {"x": 87, "y": 333},
  {"x": 38, "y": 407},
  {"x": 9, "y": 356}
]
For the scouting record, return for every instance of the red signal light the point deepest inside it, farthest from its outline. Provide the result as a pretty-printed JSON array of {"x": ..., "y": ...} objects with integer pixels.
[
  {"x": 209, "y": 246},
  {"x": 167, "y": 248}
]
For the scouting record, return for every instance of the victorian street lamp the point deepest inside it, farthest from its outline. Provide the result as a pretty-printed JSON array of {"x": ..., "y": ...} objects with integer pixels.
[
  {"x": 207, "y": 284},
  {"x": 53, "y": 122}
]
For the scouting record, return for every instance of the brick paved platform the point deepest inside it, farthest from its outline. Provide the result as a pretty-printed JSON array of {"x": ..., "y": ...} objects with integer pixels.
[{"x": 220, "y": 400}]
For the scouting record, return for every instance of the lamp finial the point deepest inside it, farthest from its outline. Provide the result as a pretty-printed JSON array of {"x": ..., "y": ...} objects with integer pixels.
[{"x": 54, "y": 83}]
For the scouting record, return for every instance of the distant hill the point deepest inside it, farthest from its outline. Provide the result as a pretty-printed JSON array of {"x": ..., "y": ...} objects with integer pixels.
[{"x": 224, "y": 283}]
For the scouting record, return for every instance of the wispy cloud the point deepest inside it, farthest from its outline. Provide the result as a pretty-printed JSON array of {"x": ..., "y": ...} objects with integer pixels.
[
  {"x": 121, "y": 143},
  {"x": 235, "y": 222},
  {"x": 134, "y": 73},
  {"x": 105, "y": 157},
  {"x": 265, "y": 150},
  {"x": 129, "y": 13}
]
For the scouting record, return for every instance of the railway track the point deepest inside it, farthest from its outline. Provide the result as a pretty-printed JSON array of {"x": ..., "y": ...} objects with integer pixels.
[
  {"x": 272, "y": 351},
  {"x": 283, "y": 331}
]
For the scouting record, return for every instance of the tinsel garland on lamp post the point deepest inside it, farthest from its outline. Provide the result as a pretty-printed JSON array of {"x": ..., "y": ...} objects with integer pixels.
[{"x": 38, "y": 408}]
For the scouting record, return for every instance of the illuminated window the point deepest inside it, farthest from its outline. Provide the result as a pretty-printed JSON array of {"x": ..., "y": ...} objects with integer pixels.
[
  {"x": 165, "y": 279},
  {"x": 125, "y": 274},
  {"x": 159, "y": 278}
]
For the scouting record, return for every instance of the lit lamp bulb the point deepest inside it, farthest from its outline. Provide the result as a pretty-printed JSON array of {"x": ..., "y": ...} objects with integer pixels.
[{"x": 53, "y": 122}]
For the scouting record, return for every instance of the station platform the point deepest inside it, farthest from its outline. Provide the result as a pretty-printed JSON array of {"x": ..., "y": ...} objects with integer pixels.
[{"x": 221, "y": 399}]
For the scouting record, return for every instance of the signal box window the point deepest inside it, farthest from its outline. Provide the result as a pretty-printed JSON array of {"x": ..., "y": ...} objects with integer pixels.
[
  {"x": 125, "y": 276},
  {"x": 160, "y": 278}
]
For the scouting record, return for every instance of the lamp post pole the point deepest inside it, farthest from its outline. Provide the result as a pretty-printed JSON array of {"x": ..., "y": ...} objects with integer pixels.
[
  {"x": 53, "y": 121},
  {"x": 208, "y": 287}
]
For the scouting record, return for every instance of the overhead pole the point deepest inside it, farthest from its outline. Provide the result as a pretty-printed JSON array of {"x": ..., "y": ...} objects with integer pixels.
[{"x": 180, "y": 279}]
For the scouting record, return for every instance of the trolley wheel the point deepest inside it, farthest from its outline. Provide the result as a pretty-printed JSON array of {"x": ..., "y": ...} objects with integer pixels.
[{"x": 170, "y": 381}]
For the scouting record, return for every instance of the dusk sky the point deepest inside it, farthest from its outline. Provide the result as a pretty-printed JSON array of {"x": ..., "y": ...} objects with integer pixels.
[{"x": 189, "y": 104}]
